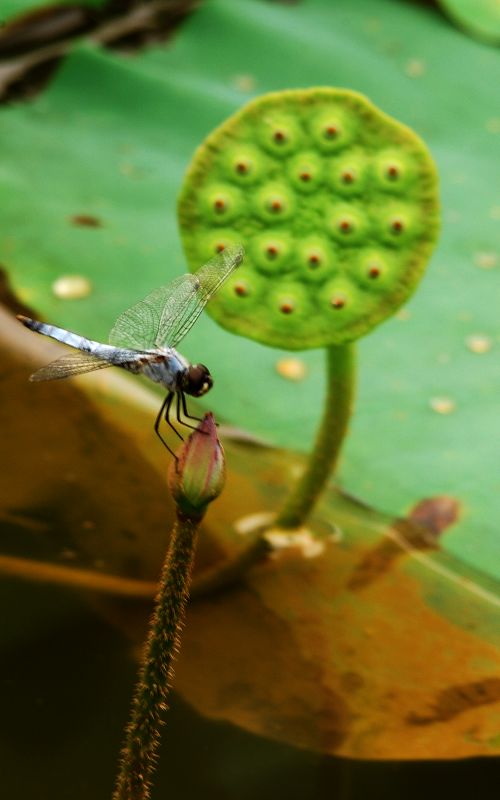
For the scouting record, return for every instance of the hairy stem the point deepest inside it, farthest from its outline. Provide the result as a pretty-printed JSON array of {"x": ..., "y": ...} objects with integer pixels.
[
  {"x": 140, "y": 751},
  {"x": 337, "y": 411}
]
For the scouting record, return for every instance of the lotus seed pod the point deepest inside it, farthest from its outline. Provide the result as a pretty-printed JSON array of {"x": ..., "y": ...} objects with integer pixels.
[{"x": 335, "y": 203}]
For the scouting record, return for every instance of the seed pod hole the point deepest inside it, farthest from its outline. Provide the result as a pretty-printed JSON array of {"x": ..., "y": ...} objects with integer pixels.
[
  {"x": 220, "y": 205},
  {"x": 242, "y": 167},
  {"x": 286, "y": 307},
  {"x": 330, "y": 131},
  {"x": 337, "y": 301},
  {"x": 279, "y": 136},
  {"x": 275, "y": 205},
  {"x": 345, "y": 226},
  {"x": 397, "y": 226},
  {"x": 314, "y": 260},
  {"x": 373, "y": 271},
  {"x": 241, "y": 289},
  {"x": 347, "y": 176},
  {"x": 272, "y": 251},
  {"x": 305, "y": 176},
  {"x": 392, "y": 172},
  {"x": 219, "y": 247}
]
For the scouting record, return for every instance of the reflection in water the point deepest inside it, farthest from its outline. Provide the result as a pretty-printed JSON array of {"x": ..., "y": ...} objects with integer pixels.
[{"x": 65, "y": 693}]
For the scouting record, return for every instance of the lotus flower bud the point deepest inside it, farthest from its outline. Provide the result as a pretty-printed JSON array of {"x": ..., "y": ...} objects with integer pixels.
[{"x": 198, "y": 476}]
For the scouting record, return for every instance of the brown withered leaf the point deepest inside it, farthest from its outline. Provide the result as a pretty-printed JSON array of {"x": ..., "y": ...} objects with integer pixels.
[{"x": 325, "y": 644}]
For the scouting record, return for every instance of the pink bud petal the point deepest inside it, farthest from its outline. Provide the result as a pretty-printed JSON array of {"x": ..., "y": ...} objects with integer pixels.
[{"x": 198, "y": 476}]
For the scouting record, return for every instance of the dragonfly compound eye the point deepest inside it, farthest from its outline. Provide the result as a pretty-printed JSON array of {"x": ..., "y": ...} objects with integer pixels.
[{"x": 197, "y": 380}]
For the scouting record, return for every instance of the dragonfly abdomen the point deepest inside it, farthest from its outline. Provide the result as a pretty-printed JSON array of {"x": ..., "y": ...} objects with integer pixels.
[
  {"x": 61, "y": 335},
  {"x": 104, "y": 351}
]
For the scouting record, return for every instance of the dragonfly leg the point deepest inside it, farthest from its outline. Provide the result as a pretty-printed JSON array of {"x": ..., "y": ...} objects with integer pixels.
[
  {"x": 181, "y": 398},
  {"x": 184, "y": 408},
  {"x": 167, "y": 416},
  {"x": 164, "y": 411}
]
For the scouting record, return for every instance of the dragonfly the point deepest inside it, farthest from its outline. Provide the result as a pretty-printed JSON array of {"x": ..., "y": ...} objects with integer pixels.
[{"x": 144, "y": 339}]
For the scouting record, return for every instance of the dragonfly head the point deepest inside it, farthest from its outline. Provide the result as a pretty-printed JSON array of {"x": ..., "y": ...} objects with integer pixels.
[{"x": 197, "y": 380}]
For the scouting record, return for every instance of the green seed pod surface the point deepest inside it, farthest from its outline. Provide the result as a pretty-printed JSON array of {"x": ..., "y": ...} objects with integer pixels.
[
  {"x": 335, "y": 203},
  {"x": 479, "y": 18}
]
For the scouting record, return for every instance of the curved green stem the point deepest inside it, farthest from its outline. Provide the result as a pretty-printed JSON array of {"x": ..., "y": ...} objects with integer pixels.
[
  {"x": 329, "y": 439},
  {"x": 139, "y": 754}
]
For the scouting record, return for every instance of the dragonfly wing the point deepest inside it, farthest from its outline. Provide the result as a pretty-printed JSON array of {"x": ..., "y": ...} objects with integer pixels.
[
  {"x": 167, "y": 313},
  {"x": 137, "y": 328},
  {"x": 186, "y": 297},
  {"x": 66, "y": 366}
]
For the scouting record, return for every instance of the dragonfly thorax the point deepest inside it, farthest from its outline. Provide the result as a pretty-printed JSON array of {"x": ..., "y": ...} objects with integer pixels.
[{"x": 196, "y": 380}]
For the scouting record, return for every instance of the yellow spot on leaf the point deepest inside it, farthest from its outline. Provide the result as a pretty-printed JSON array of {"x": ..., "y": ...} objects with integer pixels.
[
  {"x": 71, "y": 287},
  {"x": 415, "y": 68},
  {"x": 244, "y": 83},
  {"x": 293, "y": 369},
  {"x": 485, "y": 260},
  {"x": 442, "y": 405},
  {"x": 478, "y": 343},
  {"x": 493, "y": 125}
]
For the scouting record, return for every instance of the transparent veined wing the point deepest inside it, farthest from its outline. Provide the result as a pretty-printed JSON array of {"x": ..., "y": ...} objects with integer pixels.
[
  {"x": 192, "y": 292},
  {"x": 137, "y": 327},
  {"x": 66, "y": 366},
  {"x": 165, "y": 316}
]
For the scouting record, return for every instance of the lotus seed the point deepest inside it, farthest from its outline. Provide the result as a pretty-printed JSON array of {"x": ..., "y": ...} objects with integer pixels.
[
  {"x": 479, "y": 343},
  {"x": 415, "y": 68},
  {"x": 291, "y": 368},
  {"x": 71, "y": 287},
  {"x": 485, "y": 260},
  {"x": 442, "y": 405},
  {"x": 244, "y": 83},
  {"x": 493, "y": 125}
]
